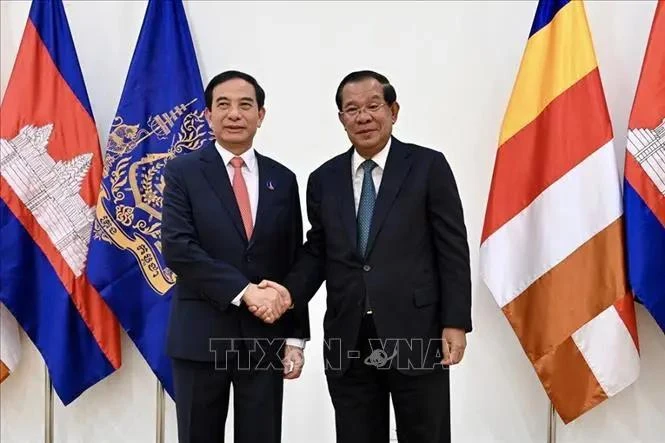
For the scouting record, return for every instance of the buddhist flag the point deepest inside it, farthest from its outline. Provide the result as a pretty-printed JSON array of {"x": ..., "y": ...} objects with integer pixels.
[
  {"x": 552, "y": 250},
  {"x": 50, "y": 168},
  {"x": 644, "y": 187}
]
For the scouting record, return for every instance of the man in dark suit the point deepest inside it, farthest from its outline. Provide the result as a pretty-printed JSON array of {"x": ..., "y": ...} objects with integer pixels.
[
  {"x": 388, "y": 237},
  {"x": 231, "y": 218}
]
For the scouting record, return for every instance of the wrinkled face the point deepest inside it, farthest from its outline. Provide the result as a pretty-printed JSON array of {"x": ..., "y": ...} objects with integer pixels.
[
  {"x": 367, "y": 118},
  {"x": 234, "y": 115}
]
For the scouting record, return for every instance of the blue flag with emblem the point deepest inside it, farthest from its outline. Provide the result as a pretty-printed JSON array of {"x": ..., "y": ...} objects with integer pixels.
[{"x": 160, "y": 116}]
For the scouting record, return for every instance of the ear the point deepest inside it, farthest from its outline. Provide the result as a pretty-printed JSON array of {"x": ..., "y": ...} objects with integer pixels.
[
  {"x": 262, "y": 114},
  {"x": 207, "y": 116},
  {"x": 340, "y": 116},
  {"x": 394, "y": 111}
]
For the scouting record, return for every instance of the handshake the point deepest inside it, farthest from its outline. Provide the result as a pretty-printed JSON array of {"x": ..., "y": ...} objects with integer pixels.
[{"x": 267, "y": 300}]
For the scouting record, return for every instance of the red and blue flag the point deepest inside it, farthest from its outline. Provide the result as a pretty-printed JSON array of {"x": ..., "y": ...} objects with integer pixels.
[
  {"x": 51, "y": 168},
  {"x": 644, "y": 186}
]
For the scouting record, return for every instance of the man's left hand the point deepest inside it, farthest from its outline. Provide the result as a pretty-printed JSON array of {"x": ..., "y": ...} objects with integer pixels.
[
  {"x": 293, "y": 362},
  {"x": 453, "y": 342}
]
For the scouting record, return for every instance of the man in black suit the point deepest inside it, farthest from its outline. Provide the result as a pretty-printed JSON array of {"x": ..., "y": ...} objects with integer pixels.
[
  {"x": 388, "y": 237},
  {"x": 231, "y": 218}
]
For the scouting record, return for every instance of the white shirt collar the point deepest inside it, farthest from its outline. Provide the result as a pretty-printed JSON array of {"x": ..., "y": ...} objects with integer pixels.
[
  {"x": 380, "y": 158},
  {"x": 249, "y": 156}
]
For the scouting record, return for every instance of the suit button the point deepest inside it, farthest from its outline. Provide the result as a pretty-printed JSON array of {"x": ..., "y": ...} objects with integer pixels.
[
  {"x": 248, "y": 258},
  {"x": 367, "y": 268}
]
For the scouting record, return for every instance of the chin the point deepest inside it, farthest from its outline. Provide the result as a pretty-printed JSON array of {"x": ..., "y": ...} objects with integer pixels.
[
  {"x": 367, "y": 143},
  {"x": 235, "y": 138}
]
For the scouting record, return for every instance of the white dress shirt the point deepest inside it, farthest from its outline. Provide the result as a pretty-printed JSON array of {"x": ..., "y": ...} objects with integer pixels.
[
  {"x": 250, "y": 172},
  {"x": 377, "y": 173}
]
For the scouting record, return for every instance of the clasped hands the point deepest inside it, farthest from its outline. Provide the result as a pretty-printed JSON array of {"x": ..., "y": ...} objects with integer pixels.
[{"x": 267, "y": 300}]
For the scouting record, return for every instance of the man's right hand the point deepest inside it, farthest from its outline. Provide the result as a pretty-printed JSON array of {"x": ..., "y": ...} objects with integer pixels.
[
  {"x": 263, "y": 311},
  {"x": 266, "y": 302}
]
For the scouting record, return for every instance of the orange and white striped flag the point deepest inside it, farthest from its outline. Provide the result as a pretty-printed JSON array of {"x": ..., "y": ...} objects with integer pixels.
[
  {"x": 10, "y": 343},
  {"x": 552, "y": 250}
]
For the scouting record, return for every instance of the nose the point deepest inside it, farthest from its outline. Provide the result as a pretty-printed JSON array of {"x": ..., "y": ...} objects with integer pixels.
[
  {"x": 234, "y": 113},
  {"x": 363, "y": 116}
]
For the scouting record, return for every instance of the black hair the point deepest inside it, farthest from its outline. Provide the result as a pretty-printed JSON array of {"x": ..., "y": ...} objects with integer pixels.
[
  {"x": 229, "y": 75},
  {"x": 389, "y": 94}
]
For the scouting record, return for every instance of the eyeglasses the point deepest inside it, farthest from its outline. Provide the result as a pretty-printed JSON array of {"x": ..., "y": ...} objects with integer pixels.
[{"x": 354, "y": 111}]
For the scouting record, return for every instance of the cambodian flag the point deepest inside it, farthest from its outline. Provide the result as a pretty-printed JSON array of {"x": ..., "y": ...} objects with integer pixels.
[
  {"x": 51, "y": 167},
  {"x": 644, "y": 189}
]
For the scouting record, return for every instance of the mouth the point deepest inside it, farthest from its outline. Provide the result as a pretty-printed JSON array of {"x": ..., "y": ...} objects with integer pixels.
[
  {"x": 365, "y": 131},
  {"x": 234, "y": 128}
]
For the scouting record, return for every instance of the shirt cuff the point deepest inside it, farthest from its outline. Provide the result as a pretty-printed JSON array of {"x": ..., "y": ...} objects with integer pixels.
[
  {"x": 297, "y": 342},
  {"x": 236, "y": 301}
]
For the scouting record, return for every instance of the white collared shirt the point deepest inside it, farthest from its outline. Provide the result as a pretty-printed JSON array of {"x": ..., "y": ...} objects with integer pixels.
[
  {"x": 250, "y": 172},
  {"x": 357, "y": 172}
]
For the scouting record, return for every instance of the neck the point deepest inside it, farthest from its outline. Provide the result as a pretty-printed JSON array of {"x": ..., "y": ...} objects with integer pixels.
[
  {"x": 235, "y": 148},
  {"x": 369, "y": 152}
]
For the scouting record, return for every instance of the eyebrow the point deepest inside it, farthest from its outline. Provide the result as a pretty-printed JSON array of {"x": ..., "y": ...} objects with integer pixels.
[
  {"x": 372, "y": 98},
  {"x": 242, "y": 99}
]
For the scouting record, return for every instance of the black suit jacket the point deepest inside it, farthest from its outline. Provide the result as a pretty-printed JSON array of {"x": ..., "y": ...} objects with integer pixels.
[
  {"x": 205, "y": 244},
  {"x": 416, "y": 272}
]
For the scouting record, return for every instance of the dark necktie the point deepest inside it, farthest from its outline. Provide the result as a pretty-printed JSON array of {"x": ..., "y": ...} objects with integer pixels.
[{"x": 366, "y": 206}]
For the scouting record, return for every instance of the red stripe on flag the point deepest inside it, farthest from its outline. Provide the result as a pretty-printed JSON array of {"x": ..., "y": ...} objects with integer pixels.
[
  {"x": 649, "y": 105},
  {"x": 625, "y": 307},
  {"x": 568, "y": 130},
  {"x": 35, "y": 87},
  {"x": 38, "y": 95},
  {"x": 648, "y": 111},
  {"x": 645, "y": 188},
  {"x": 95, "y": 312}
]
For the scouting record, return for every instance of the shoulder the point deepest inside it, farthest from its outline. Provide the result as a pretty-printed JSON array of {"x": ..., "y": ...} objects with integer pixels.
[
  {"x": 420, "y": 153},
  {"x": 276, "y": 168},
  {"x": 333, "y": 166}
]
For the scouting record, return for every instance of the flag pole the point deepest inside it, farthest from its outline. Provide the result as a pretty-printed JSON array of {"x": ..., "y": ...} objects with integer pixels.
[
  {"x": 48, "y": 407},
  {"x": 551, "y": 425},
  {"x": 159, "y": 432}
]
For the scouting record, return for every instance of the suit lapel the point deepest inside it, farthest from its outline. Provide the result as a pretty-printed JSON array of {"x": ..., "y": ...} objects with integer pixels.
[
  {"x": 344, "y": 182},
  {"x": 397, "y": 167},
  {"x": 215, "y": 172},
  {"x": 267, "y": 186}
]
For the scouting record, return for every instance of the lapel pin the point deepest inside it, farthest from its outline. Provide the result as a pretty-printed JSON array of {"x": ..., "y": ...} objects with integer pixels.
[{"x": 270, "y": 185}]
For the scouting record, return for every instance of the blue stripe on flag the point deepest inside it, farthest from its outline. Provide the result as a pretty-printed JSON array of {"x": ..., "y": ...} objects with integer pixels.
[
  {"x": 545, "y": 12},
  {"x": 47, "y": 313},
  {"x": 645, "y": 238}
]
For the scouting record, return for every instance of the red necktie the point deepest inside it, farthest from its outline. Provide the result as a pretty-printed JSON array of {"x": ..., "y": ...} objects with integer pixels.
[{"x": 242, "y": 196}]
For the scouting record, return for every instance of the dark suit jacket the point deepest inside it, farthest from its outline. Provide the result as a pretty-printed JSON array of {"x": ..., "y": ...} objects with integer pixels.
[
  {"x": 205, "y": 244},
  {"x": 416, "y": 273}
]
